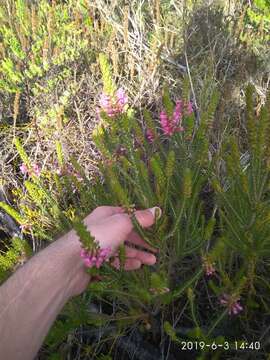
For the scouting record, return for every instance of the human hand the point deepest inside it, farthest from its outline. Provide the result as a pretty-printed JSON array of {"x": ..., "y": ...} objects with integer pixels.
[
  {"x": 111, "y": 227},
  {"x": 57, "y": 273}
]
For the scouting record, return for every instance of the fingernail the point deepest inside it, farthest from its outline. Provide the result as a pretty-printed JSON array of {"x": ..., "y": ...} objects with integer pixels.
[
  {"x": 152, "y": 259},
  {"x": 157, "y": 212}
]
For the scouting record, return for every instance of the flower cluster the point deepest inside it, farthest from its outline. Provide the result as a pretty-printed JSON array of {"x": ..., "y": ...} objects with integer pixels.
[
  {"x": 208, "y": 266},
  {"x": 232, "y": 303},
  {"x": 150, "y": 135},
  {"x": 113, "y": 105},
  {"x": 173, "y": 124},
  {"x": 95, "y": 258},
  {"x": 34, "y": 170}
]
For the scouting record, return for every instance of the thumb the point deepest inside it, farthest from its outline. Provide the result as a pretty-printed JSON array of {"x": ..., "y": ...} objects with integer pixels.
[
  {"x": 122, "y": 223},
  {"x": 148, "y": 217},
  {"x": 114, "y": 230}
]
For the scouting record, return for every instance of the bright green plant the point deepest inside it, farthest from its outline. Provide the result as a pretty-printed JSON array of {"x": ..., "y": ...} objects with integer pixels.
[
  {"x": 16, "y": 253},
  {"x": 39, "y": 48},
  {"x": 256, "y": 25},
  {"x": 243, "y": 198}
]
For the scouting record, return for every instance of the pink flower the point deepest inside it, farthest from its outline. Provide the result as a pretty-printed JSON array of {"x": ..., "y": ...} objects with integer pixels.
[
  {"x": 166, "y": 126},
  {"x": 234, "y": 307},
  {"x": 174, "y": 124},
  {"x": 83, "y": 253},
  {"x": 105, "y": 252},
  {"x": 150, "y": 135},
  {"x": 95, "y": 258},
  {"x": 122, "y": 98},
  {"x": 106, "y": 104},
  {"x": 24, "y": 169},
  {"x": 104, "y": 101},
  {"x": 208, "y": 266},
  {"x": 88, "y": 262},
  {"x": 171, "y": 125},
  {"x": 113, "y": 105},
  {"x": 209, "y": 269},
  {"x": 177, "y": 112},
  {"x": 34, "y": 170}
]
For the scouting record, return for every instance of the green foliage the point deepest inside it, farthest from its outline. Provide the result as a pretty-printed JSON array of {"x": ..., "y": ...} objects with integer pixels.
[
  {"x": 172, "y": 174},
  {"x": 22, "y": 152},
  {"x": 87, "y": 240},
  {"x": 168, "y": 104},
  {"x": 109, "y": 87},
  {"x": 12, "y": 212},
  {"x": 44, "y": 37},
  {"x": 256, "y": 29},
  {"x": 59, "y": 152},
  {"x": 17, "y": 252},
  {"x": 177, "y": 179},
  {"x": 170, "y": 331},
  {"x": 244, "y": 203}
]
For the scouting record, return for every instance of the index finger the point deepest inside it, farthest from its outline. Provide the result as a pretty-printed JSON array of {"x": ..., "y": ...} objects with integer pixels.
[
  {"x": 102, "y": 212},
  {"x": 135, "y": 239}
]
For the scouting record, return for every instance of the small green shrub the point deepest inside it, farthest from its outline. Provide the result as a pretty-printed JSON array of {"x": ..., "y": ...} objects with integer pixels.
[
  {"x": 255, "y": 25},
  {"x": 17, "y": 253}
]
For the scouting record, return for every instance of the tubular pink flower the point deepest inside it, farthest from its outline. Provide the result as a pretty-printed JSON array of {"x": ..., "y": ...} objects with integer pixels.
[
  {"x": 95, "y": 258},
  {"x": 36, "y": 170},
  {"x": 122, "y": 97},
  {"x": 163, "y": 118},
  {"x": 83, "y": 253},
  {"x": 177, "y": 115},
  {"x": 208, "y": 266},
  {"x": 105, "y": 252},
  {"x": 150, "y": 135},
  {"x": 233, "y": 305},
  {"x": 104, "y": 101},
  {"x": 210, "y": 270},
  {"x": 98, "y": 263},
  {"x": 170, "y": 126},
  {"x": 165, "y": 123},
  {"x": 24, "y": 169},
  {"x": 113, "y": 105},
  {"x": 88, "y": 262}
]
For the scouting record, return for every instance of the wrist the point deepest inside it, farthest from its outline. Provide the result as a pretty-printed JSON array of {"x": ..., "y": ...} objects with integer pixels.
[{"x": 73, "y": 266}]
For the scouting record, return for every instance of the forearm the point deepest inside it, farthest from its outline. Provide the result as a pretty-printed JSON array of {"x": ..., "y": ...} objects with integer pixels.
[{"x": 32, "y": 298}]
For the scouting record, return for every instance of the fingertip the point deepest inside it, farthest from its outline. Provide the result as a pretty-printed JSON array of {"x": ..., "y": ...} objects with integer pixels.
[
  {"x": 147, "y": 218},
  {"x": 151, "y": 259},
  {"x": 130, "y": 264},
  {"x": 156, "y": 212}
]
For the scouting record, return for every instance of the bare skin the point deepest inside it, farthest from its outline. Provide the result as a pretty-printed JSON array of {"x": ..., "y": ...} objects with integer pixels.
[{"x": 33, "y": 296}]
